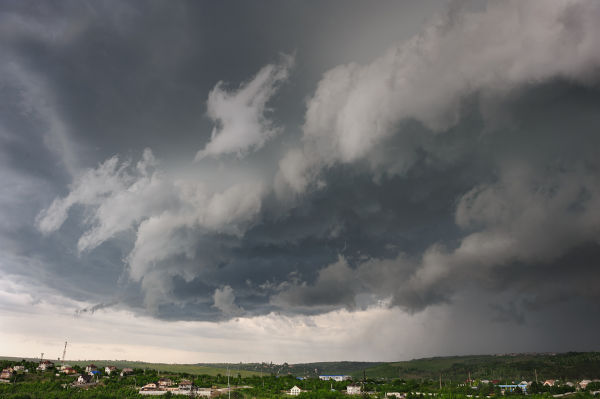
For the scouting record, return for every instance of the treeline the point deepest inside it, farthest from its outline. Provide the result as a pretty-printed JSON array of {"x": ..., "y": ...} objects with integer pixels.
[{"x": 565, "y": 366}]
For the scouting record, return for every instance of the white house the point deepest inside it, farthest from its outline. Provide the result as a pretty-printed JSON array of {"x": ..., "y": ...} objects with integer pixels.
[
  {"x": 549, "y": 383},
  {"x": 126, "y": 371},
  {"x": 295, "y": 391},
  {"x": 109, "y": 369},
  {"x": 185, "y": 385},
  {"x": 204, "y": 392},
  {"x": 396, "y": 394},
  {"x": 334, "y": 377},
  {"x": 45, "y": 365},
  {"x": 584, "y": 383},
  {"x": 84, "y": 379},
  {"x": 353, "y": 389},
  {"x": 19, "y": 368},
  {"x": 90, "y": 367}
]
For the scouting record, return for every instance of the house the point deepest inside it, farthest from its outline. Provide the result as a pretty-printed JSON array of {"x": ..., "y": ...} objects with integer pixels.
[
  {"x": 94, "y": 373},
  {"x": 584, "y": 383},
  {"x": 398, "y": 395},
  {"x": 185, "y": 385},
  {"x": 353, "y": 389},
  {"x": 69, "y": 371},
  {"x": 294, "y": 391},
  {"x": 7, "y": 373},
  {"x": 334, "y": 377},
  {"x": 204, "y": 392},
  {"x": 19, "y": 368},
  {"x": 511, "y": 388},
  {"x": 90, "y": 367},
  {"x": 84, "y": 379},
  {"x": 549, "y": 383},
  {"x": 126, "y": 371},
  {"x": 45, "y": 365},
  {"x": 165, "y": 382},
  {"x": 109, "y": 369},
  {"x": 149, "y": 387}
]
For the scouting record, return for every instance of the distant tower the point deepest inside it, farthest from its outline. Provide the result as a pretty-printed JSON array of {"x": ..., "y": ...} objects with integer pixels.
[{"x": 64, "y": 354}]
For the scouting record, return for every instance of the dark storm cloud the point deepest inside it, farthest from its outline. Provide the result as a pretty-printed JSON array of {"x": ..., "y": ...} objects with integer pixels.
[{"x": 448, "y": 168}]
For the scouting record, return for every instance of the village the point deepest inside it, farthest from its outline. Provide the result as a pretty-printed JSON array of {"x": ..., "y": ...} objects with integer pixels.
[{"x": 151, "y": 383}]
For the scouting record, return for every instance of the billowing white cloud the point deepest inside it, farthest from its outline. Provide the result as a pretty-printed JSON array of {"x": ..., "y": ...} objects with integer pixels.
[
  {"x": 241, "y": 116},
  {"x": 507, "y": 45},
  {"x": 169, "y": 215}
]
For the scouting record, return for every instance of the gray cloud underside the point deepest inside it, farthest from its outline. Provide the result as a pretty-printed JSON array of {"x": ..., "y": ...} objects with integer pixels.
[{"x": 463, "y": 161}]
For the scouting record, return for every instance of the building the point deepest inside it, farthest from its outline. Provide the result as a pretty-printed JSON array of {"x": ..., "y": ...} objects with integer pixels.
[
  {"x": 90, "y": 367},
  {"x": 149, "y": 387},
  {"x": 19, "y": 368},
  {"x": 295, "y": 391},
  {"x": 45, "y": 365},
  {"x": 109, "y": 369},
  {"x": 185, "y": 385},
  {"x": 398, "y": 395},
  {"x": 584, "y": 383},
  {"x": 511, "y": 388},
  {"x": 7, "y": 373},
  {"x": 353, "y": 389},
  {"x": 165, "y": 382},
  {"x": 549, "y": 383},
  {"x": 334, "y": 377},
  {"x": 204, "y": 392},
  {"x": 84, "y": 379},
  {"x": 126, "y": 371}
]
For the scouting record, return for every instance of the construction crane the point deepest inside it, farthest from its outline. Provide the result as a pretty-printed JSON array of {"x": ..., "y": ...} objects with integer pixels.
[{"x": 64, "y": 354}]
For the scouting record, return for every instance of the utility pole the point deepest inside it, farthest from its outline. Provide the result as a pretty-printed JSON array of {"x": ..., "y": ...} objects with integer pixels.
[
  {"x": 64, "y": 354},
  {"x": 440, "y": 381},
  {"x": 536, "y": 379},
  {"x": 228, "y": 387}
]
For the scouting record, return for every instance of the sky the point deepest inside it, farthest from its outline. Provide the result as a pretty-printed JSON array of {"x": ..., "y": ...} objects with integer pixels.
[{"x": 299, "y": 181}]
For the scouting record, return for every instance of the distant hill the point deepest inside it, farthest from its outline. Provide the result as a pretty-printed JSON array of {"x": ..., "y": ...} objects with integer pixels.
[
  {"x": 300, "y": 369},
  {"x": 571, "y": 366},
  {"x": 513, "y": 366}
]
